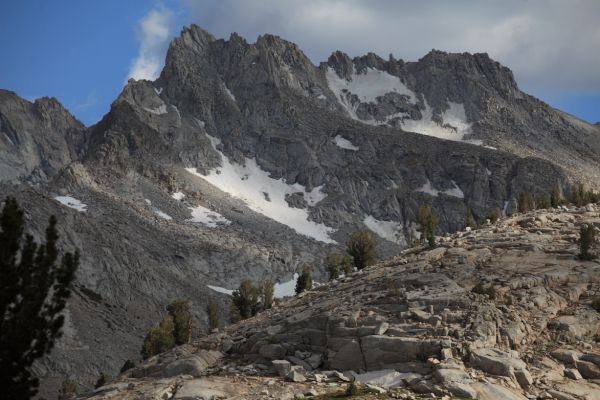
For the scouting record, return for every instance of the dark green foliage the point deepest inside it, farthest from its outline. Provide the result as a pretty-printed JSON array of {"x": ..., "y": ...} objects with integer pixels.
[
  {"x": 525, "y": 202},
  {"x": 68, "y": 390},
  {"x": 267, "y": 294},
  {"x": 34, "y": 286},
  {"x": 542, "y": 202},
  {"x": 586, "y": 239},
  {"x": 304, "y": 281},
  {"x": 347, "y": 266},
  {"x": 495, "y": 215},
  {"x": 246, "y": 299},
  {"x": 333, "y": 263},
  {"x": 596, "y": 304},
  {"x": 581, "y": 197},
  {"x": 352, "y": 389},
  {"x": 102, "y": 380},
  {"x": 127, "y": 366},
  {"x": 480, "y": 289},
  {"x": 428, "y": 223},
  {"x": 555, "y": 199},
  {"x": 159, "y": 339},
  {"x": 179, "y": 310},
  {"x": 211, "y": 312},
  {"x": 469, "y": 222},
  {"x": 361, "y": 247}
]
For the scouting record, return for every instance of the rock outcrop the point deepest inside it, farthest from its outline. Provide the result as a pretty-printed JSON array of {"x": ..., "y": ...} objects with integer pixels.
[{"x": 415, "y": 326}]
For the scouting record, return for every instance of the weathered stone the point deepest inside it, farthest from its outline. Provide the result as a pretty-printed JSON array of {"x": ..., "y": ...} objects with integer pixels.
[
  {"x": 588, "y": 369},
  {"x": 573, "y": 374},
  {"x": 272, "y": 351},
  {"x": 283, "y": 367}
]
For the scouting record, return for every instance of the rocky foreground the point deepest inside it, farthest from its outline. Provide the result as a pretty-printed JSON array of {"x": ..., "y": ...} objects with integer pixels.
[{"x": 413, "y": 327}]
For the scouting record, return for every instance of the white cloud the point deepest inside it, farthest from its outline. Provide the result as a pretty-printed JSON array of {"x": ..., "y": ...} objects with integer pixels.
[
  {"x": 551, "y": 45},
  {"x": 154, "y": 34}
]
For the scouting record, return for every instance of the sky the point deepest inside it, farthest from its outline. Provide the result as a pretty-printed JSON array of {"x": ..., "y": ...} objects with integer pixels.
[{"x": 83, "y": 52}]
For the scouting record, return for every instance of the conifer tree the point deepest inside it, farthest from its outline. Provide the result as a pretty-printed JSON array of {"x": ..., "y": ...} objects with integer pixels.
[
  {"x": 361, "y": 247},
  {"x": 179, "y": 310},
  {"x": 35, "y": 283},
  {"x": 267, "y": 294},
  {"x": 304, "y": 281},
  {"x": 246, "y": 299},
  {"x": 213, "y": 321}
]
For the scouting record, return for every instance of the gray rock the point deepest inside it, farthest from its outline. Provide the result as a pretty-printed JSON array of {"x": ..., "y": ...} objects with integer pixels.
[{"x": 283, "y": 367}]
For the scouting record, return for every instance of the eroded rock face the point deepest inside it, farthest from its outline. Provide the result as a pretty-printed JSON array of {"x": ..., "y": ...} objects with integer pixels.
[{"x": 439, "y": 336}]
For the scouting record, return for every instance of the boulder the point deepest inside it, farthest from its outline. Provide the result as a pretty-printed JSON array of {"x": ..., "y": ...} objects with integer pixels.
[
  {"x": 272, "y": 351},
  {"x": 588, "y": 369},
  {"x": 283, "y": 367}
]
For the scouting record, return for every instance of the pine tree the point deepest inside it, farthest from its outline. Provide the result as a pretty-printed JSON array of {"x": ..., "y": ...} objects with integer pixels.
[
  {"x": 304, "y": 281},
  {"x": 495, "y": 215},
  {"x": 159, "y": 339},
  {"x": 179, "y": 310},
  {"x": 555, "y": 199},
  {"x": 268, "y": 293},
  {"x": 213, "y": 321},
  {"x": 347, "y": 265},
  {"x": 361, "y": 247},
  {"x": 333, "y": 262},
  {"x": 586, "y": 238},
  {"x": 246, "y": 299},
  {"x": 34, "y": 287},
  {"x": 469, "y": 223},
  {"x": 525, "y": 202},
  {"x": 428, "y": 222}
]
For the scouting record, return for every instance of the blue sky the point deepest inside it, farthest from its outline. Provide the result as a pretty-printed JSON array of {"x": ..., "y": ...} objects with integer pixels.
[{"x": 82, "y": 52}]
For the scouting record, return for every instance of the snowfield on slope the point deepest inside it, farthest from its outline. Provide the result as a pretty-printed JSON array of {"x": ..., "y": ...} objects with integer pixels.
[
  {"x": 71, "y": 202},
  {"x": 429, "y": 189},
  {"x": 281, "y": 290},
  {"x": 266, "y": 195},
  {"x": 373, "y": 83},
  {"x": 389, "y": 230},
  {"x": 207, "y": 217}
]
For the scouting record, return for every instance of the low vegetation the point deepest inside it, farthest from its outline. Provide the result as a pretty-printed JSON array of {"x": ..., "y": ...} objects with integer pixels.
[
  {"x": 174, "y": 329},
  {"x": 304, "y": 281},
  {"x": 587, "y": 235},
  {"x": 428, "y": 224},
  {"x": 361, "y": 247},
  {"x": 211, "y": 312}
]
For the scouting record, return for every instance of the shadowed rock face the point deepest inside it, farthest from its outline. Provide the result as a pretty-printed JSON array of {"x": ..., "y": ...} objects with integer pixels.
[
  {"x": 346, "y": 145},
  {"x": 36, "y": 139}
]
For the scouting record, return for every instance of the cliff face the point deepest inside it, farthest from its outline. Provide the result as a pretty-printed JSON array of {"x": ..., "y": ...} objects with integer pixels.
[
  {"x": 501, "y": 312},
  {"x": 36, "y": 139},
  {"x": 245, "y": 160}
]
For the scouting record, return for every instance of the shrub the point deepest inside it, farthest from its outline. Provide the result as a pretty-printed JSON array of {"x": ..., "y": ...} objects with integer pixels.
[
  {"x": 428, "y": 222},
  {"x": 159, "y": 339},
  {"x": 179, "y": 310},
  {"x": 35, "y": 283},
  {"x": 68, "y": 390},
  {"x": 102, "y": 380},
  {"x": 333, "y": 262},
  {"x": 543, "y": 202},
  {"x": 127, "y": 366},
  {"x": 525, "y": 202},
  {"x": 267, "y": 292},
  {"x": 211, "y": 312},
  {"x": 304, "y": 281},
  {"x": 469, "y": 222},
  {"x": 596, "y": 304},
  {"x": 586, "y": 238},
  {"x": 352, "y": 389},
  {"x": 361, "y": 247},
  {"x": 246, "y": 299},
  {"x": 555, "y": 199},
  {"x": 495, "y": 215},
  {"x": 347, "y": 265},
  {"x": 480, "y": 289}
]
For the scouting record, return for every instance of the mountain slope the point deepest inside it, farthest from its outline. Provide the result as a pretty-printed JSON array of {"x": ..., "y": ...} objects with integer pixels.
[
  {"x": 465, "y": 319},
  {"x": 246, "y": 161}
]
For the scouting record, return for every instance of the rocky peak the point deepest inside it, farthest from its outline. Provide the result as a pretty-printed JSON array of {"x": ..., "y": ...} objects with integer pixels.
[{"x": 341, "y": 63}]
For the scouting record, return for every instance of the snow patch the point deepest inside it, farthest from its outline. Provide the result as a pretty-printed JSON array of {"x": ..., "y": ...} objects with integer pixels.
[
  {"x": 162, "y": 109},
  {"x": 283, "y": 289},
  {"x": 207, "y": 217},
  {"x": 158, "y": 91},
  {"x": 229, "y": 93},
  {"x": 148, "y": 201},
  {"x": 488, "y": 172},
  {"x": 455, "y": 125},
  {"x": 249, "y": 183},
  {"x": 178, "y": 196},
  {"x": 163, "y": 215},
  {"x": 200, "y": 123},
  {"x": 386, "y": 378},
  {"x": 389, "y": 230},
  {"x": 220, "y": 289},
  {"x": 71, "y": 202},
  {"x": 322, "y": 97},
  {"x": 344, "y": 143},
  {"x": 429, "y": 189},
  {"x": 176, "y": 110}
]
